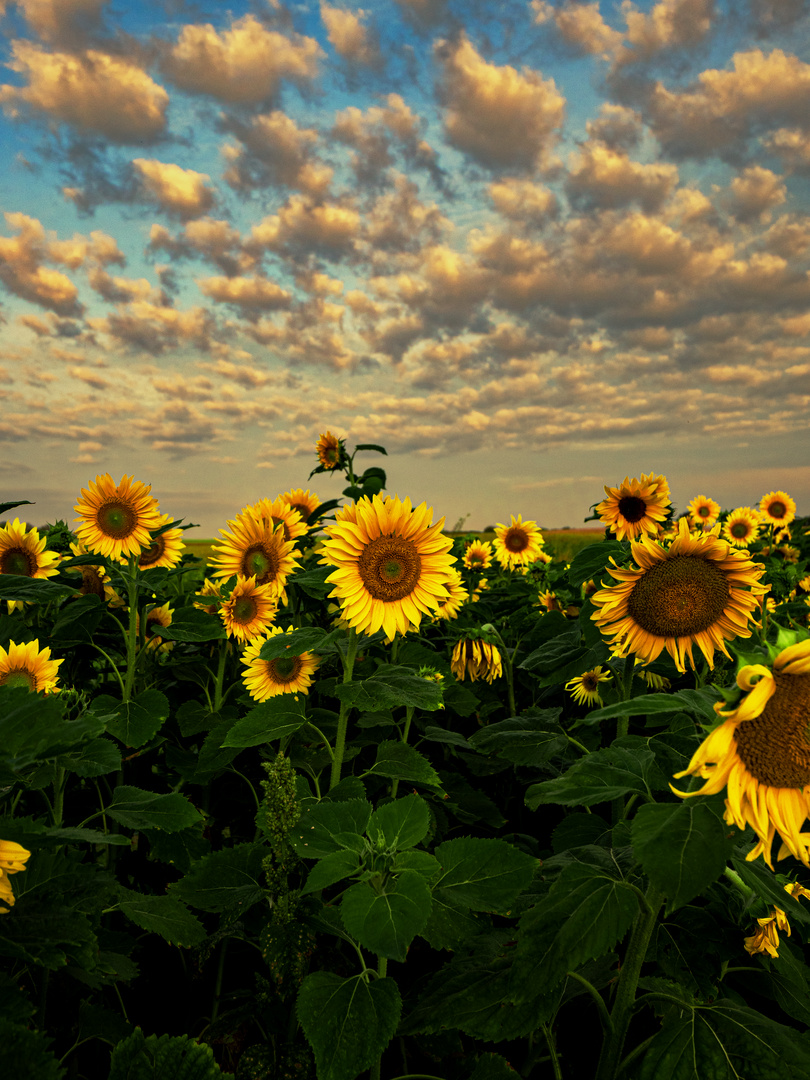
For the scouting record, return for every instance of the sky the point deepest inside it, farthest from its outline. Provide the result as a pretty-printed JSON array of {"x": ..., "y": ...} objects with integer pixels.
[{"x": 530, "y": 247}]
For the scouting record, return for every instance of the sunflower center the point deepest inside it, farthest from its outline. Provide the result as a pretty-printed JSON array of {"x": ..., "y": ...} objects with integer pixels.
[
  {"x": 285, "y": 669},
  {"x": 18, "y": 561},
  {"x": 739, "y": 530},
  {"x": 302, "y": 509},
  {"x": 590, "y": 681},
  {"x": 19, "y": 677},
  {"x": 245, "y": 609},
  {"x": 679, "y": 597},
  {"x": 261, "y": 563},
  {"x": 777, "y": 509},
  {"x": 152, "y": 553},
  {"x": 389, "y": 567},
  {"x": 704, "y": 511},
  {"x": 91, "y": 581},
  {"x": 774, "y": 747},
  {"x": 632, "y": 508},
  {"x": 516, "y": 540},
  {"x": 116, "y": 519}
]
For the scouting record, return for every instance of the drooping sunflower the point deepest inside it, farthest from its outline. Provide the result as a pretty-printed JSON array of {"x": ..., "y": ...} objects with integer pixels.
[
  {"x": 28, "y": 665},
  {"x": 476, "y": 659},
  {"x": 250, "y": 609},
  {"x": 13, "y": 858},
  {"x": 635, "y": 507},
  {"x": 584, "y": 689},
  {"x": 305, "y": 502},
  {"x": 257, "y": 549},
  {"x": 164, "y": 550},
  {"x": 766, "y": 937},
  {"x": 22, "y": 552},
  {"x": 456, "y": 600},
  {"x": 329, "y": 450},
  {"x": 777, "y": 508},
  {"x": 698, "y": 591},
  {"x": 517, "y": 544},
  {"x": 283, "y": 675},
  {"x": 478, "y": 555},
  {"x": 761, "y": 755},
  {"x": 115, "y": 519},
  {"x": 393, "y": 566},
  {"x": 703, "y": 511},
  {"x": 741, "y": 527},
  {"x": 278, "y": 512}
]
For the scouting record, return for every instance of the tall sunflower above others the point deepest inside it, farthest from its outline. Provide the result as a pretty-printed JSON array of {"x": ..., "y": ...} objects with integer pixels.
[
  {"x": 698, "y": 591},
  {"x": 761, "y": 755},
  {"x": 636, "y": 506},
  {"x": 392, "y": 565}
]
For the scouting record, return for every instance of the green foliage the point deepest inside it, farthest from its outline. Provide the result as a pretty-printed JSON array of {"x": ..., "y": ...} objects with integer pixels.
[
  {"x": 155, "y": 1057},
  {"x": 628, "y": 767}
]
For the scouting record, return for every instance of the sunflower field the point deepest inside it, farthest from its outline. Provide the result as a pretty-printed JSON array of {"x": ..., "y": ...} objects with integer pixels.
[{"x": 352, "y": 797}]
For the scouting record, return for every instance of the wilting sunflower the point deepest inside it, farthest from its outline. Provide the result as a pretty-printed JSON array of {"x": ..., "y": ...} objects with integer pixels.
[
  {"x": 475, "y": 659},
  {"x": 703, "y": 511},
  {"x": 635, "y": 507},
  {"x": 584, "y": 689},
  {"x": 12, "y": 860},
  {"x": 517, "y": 544},
  {"x": 766, "y": 938},
  {"x": 164, "y": 550},
  {"x": 283, "y": 675},
  {"x": 277, "y": 512},
  {"x": 393, "y": 566},
  {"x": 255, "y": 549},
  {"x": 456, "y": 600},
  {"x": 741, "y": 527},
  {"x": 249, "y": 611},
  {"x": 116, "y": 518},
  {"x": 22, "y": 552},
  {"x": 478, "y": 555},
  {"x": 305, "y": 502},
  {"x": 699, "y": 591},
  {"x": 329, "y": 450},
  {"x": 777, "y": 508},
  {"x": 761, "y": 755},
  {"x": 27, "y": 665}
]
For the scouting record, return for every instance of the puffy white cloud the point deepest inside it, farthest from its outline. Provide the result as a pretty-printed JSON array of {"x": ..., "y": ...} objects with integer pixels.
[
  {"x": 792, "y": 145},
  {"x": 376, "y": 133},
  {"x": 581, "y": 26},
  {"x": 176, "y": 190}
]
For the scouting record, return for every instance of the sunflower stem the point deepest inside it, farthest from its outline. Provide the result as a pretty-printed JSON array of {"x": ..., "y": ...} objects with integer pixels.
[
  {"x": 737, "y": 882},
  {"x": 220, "y": 676},
  {"x": 343, "y": 718},
  {"x": 622, "y": 1011},
  {"x": 382, "y": 971},
  {"x": 552, "y": 1050},
  {"x": 132, "y": 633},
  {"x": 405, "y": 733}
]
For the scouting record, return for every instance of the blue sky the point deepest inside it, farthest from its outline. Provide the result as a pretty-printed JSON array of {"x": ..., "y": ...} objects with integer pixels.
[{"x": 530, "y": 247}]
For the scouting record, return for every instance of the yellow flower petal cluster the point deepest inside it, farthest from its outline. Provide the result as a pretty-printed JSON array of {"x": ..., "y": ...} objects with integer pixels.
[
  {"x": 392, "y": 565},
  {"x": 474, "y": 659},
  {"x": 305, "y": 502},
  {"x": 28, "y": 665},
  {"x": 255, "y": 548},
  {"x": 277, "y": 512},
  {"x": 328, "y": 450},
  {"x": 741, "y": 527},
  {"x": 249, "y": 610},
  {"x": 761, "y": 755},
  {"x": 698, "y": 591},
  {"x": 115, "y": 519},
  {"x": 155, "y": 618},
  {"x": 478, "y": 555},
  {"x": 766, "y": 938},
  {"x": 703, "y": 511},
  {"x": 517, "y": 544},
  {"x": 283, "y": 675},
  {"x": 584, "y": 689},
  {"x": 13, "y": 858},
  {"x": 777, "y": 508},
  {"x": 164, "y": 550},
  {"x": 456, "y": 600},
  {"x": 635, "y": 507},
  {"x": 22, "y": 552}
]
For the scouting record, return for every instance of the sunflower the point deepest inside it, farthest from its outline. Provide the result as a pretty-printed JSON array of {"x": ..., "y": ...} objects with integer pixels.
[
  {"x": 214, "y": 590},
  {"x": 277, "y": 512},
  {"x": 305, "y": 502},
  {"x": 478, "y": 555},
  {"x": 257, "y": 549},
  {"x": 766, "y": 938},
  {"x": 393, "y": 566},
  {"x": 458, "y": 596},
  {"x": 636, "y": 506},
  {"x": 692, "y": 593},
  {"x": 476, "y": 659},
  {"x": 283, "y": 675},
  {"x": 116, "y": 518},
  {"x": 155, "y": 618},
  {"x": 517, "y": 544},
  {"x": 95, "y": 579},
  {"x": 703, "y": 511},
  {"x": 27, "y": 665},
  {"x": 548, "y": 601},
  {"x": 12, "y": 860},
  {"x": 741, "y": 527},
  {"x": 584, "y": 689},
  {"x": 164, "y": 550},
  {"x": 761, "y": 755},
  {"x": 777, "y": 508},
  {"x": 249, "y": 610},
  {"x": 329, "y": 450},
  {"x": 22, "y": 552}
]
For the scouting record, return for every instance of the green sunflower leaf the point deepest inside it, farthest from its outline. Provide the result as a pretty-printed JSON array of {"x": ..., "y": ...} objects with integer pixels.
[
  {"x": 96, "y": 758},
  {"x": 33, "y": 727},
  {"x": 306, "y": 639},
  {"x": 330, "y": 869},
  {"x": 483, "y": 874},
  {"x": 275, "y": 718},
  {"x": 529, "y": 739},
  {"x": 385, "y": 918},
  {"x": 28, "y": 1053},
  {"x": 138, "y": 809},
  {"x": 589, "y": 563},
  {"x": 163, "y": 915},
  {"x": 627, "y": 767},
  {"x": 330, "y": 826},
  {"x": 175, "y": 1056},
  {"x": 134, "y": 722},
  {"x": 34, "y": 590},
  {"x": 389, "y": 687},
  {"x": 399, "y": 761},
  {"x": 400, "y": 824},
  {"x": 360, "y": 446},
  {"x": 698, "y": 702},
  {"x": 192, "y": 624},
  {"x": 225, "y": 880}
]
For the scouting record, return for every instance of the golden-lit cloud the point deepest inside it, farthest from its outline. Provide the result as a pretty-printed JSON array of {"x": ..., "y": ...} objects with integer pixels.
[
  {"x": 523, "y": 200},
  {"x": 755, "y": 193},
  {"x": 62, "y": 21},
  {"x": 183, "y": 192},
  {"x": 602, "y": 176},
  {"x": 274, "y": 150},
  {"x": 349, "y": 36},
  {"x": 302, "y": 224},
  {"x": 250, "y": 295}
]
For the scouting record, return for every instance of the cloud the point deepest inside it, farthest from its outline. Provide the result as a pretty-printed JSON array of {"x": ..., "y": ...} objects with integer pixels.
[
  {"x": 302, "y": 226},
  {"x": 243, "y": 65},
  {"x": 155, "y": 328},
  {"x": 206, "y": 238},
  {"x": 63, "y": 22},
  {"x": 754, "y": 194},
  {"x": 274, "y": 150},
  {"x": 250, "y": 295},
  {"x": 602, "y": 176},
  {"x": 375, "y": 134},
  {"x": 23, "y": 273},
  {"x": 399, "y": 221},
  {"x": 581, "y": 26},
  {"x": 349, "y": 37},
  {"x": 501, "y": 117},
  {"x": 92, "y": 92},
  {"x": 792, "y": 146},
  {"x": 176, "y": 190},
  {"x": 523, "y": 200}
]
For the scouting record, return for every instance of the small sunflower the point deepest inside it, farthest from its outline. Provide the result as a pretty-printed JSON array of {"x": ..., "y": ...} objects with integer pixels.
[
  {"x": 249, "y": 610},
  {"x": 476, "y": 659},
  {"x": 703, "y": 511},
  {"x": 478, "y": 555},
  {"x": 22, "y": 552},
  {"x": 155, "y": 618},
  {"x": 517, "y": 544},
  {"x": 116, "y": 519},
  {"x": 95, "y": 579},
  {"x": 27, "y": 665},
  {"x": 457, "y": 599},
  {"x": 164, "y": 550},
  {"x": 283, "y": 675},
  {"x": 329, "y": 450},
  {"x": 777, "y": 508},
  {"x": 699, "y": 591},
  {"x": 305, "y": 502},
  {"x": 761, "y": 755},
  {"x": 257, "y": 549},
  {"x": 741, "y": 527},
  {"x": 393, "y": 566},
  {"x": 214, "y": 590},
  {"x": 584, "y": 689},
  {"x": 278, "y": 512},
  {"x": 13, "y": 858},
  {"x": 548, "y": 601},
  {"x": 635, "y": 507},
  {"x": 766, "y": 937}
]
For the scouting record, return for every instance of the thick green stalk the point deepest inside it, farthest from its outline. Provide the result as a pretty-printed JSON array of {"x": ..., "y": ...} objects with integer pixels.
[
  {"x": 622, "y": 1011},
  {"x": 132, "y": 632},
  {"x": 223, "y": 655},
  {"x": 345, "y": 708},
  {"x": 382, "y": 971},
  {"x": 405, "y": 733}
]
